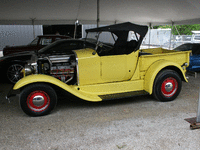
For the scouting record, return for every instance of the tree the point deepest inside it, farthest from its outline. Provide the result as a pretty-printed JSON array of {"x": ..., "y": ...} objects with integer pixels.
[{"x": 180, "y": 29}]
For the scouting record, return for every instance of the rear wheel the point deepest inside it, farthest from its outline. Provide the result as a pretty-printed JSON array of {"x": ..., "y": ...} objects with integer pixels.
[
  {"x": 38, "y": 99},
  {"x": 167, "y": 85}
]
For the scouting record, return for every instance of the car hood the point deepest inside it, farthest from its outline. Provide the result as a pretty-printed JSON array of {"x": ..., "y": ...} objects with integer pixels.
[
  {"x": 26, "y": 53},
  {"x": 17, "y": 47}
]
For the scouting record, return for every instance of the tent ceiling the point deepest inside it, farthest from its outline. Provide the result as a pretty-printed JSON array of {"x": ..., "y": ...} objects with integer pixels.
[{"x": 111, "y": 11}]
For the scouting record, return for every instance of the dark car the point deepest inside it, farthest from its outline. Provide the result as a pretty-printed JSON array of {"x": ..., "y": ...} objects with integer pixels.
[
  {"x": 195, "y": 55},
  {"x": 11, "y": 65},
  {"x": 38, "y": 43}
]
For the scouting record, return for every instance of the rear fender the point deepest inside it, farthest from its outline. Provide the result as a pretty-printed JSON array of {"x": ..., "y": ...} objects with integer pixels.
[{"x": 155, "y": 68}]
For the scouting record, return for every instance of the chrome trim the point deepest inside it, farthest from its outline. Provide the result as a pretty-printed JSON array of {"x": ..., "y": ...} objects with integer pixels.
[
  {"x": 59, "y": 58},
  {"x": 184, "y": 64},
  {"x": 77, "y": 70}
]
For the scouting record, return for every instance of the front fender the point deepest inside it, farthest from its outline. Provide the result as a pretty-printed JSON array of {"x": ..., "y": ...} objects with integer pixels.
[
  {"x": 73, "y": 89},
  {"x": 154, "y": 69}
]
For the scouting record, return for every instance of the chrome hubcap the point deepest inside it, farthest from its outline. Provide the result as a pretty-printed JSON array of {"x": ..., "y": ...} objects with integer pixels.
[
  {"x": 38, "y": 100},
  {"x": 168, "y": 86}
]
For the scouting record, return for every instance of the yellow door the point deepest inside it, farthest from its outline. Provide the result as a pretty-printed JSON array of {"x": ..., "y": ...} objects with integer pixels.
[
  {"x": 118, "y": 67},
  {"x": 113, "y": 68}
]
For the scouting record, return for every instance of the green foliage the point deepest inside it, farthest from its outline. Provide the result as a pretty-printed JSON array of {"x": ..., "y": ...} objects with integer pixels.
[{"x": 180, "y": 29}]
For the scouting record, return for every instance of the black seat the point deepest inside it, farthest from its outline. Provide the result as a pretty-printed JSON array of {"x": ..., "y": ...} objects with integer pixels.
[
  {"x": 131, "y": 46},
  {"x": 123, "y": 47}
]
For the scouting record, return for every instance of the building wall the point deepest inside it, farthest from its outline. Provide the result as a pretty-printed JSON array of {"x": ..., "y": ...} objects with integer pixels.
[
  {"x": 14, "y": 35},
  {"x": 157, "y": 37}
]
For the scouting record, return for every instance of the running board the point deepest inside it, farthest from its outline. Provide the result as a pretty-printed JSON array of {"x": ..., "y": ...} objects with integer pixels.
[{"x": 122, "y": 95}]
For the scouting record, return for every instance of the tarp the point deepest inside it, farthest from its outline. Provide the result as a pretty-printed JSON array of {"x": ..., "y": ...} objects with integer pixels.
[
  {"x": 110, "y": 11},
  {"x": 195, "y": 47}
]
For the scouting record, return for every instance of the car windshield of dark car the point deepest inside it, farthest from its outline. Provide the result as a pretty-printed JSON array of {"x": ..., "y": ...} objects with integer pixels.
[
  {"x": 45, "y": 41},
  {"x": 34, "y": 42}
]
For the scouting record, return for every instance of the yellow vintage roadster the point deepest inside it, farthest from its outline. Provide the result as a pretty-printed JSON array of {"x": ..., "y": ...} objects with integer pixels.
[{"x": 98, "y": 74}]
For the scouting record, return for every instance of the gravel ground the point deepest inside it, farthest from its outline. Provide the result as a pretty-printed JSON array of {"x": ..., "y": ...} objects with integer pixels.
[{"x": 138, "y": 123}]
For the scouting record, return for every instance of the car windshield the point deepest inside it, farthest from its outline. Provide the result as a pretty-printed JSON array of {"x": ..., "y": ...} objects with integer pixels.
[
  {"x": 104, "y": 37},
  {"x": 35, "y": 41},
  {"x": 115, "y": 43}
]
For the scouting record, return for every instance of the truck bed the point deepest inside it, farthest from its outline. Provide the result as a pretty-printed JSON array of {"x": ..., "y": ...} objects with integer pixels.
[{"x": 149, "y": 56}]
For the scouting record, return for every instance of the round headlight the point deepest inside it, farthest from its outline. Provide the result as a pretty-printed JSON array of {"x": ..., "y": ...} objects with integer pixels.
[{"x": 28, "y": 70}]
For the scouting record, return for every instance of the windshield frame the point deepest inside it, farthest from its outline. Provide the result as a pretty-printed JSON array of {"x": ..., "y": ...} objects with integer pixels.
[{"x": 34, "y": 42}]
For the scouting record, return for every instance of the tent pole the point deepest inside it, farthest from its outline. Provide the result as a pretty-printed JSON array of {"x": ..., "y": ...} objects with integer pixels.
[
  {"x": 33, "y": 23},
  {"x": 149, "y": 34},
  {"x": 75, "y": 28},
  {"x": 97, "y": 13},
  {"x": 171, "y": 35}
]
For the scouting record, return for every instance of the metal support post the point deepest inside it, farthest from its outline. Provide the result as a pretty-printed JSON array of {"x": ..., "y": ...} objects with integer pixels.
[
  {"x": 149, "y": 34},
  {"x": 75, "y": 28},
  {"x": 195, "y": 121},
  {"x": 198, "y": 109},
  {"x": 171, "y": 35},
  {"x": 97, "y": 13},
  {"x": 33, "y": 23}
]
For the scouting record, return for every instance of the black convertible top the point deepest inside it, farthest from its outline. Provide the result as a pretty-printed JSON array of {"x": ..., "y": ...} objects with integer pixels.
[
  {"x": 125, "y": 27},
  {"x": 122, "y": 30}
]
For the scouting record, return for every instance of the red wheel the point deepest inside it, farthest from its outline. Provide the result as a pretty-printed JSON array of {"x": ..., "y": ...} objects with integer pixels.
[
  {"x": 167, "y": 85},
  {"x": 38, "y": 99}
]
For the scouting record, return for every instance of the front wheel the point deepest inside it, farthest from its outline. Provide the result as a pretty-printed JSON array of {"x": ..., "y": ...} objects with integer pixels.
[
  {"x": 167, "y": 85},
  {"x": 38, "y": 99}
]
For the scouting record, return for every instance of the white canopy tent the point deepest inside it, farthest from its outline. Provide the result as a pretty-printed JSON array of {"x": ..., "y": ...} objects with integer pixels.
[
  {"x": 146, "y": 12},
  {"x": 154, "y": 12}
]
